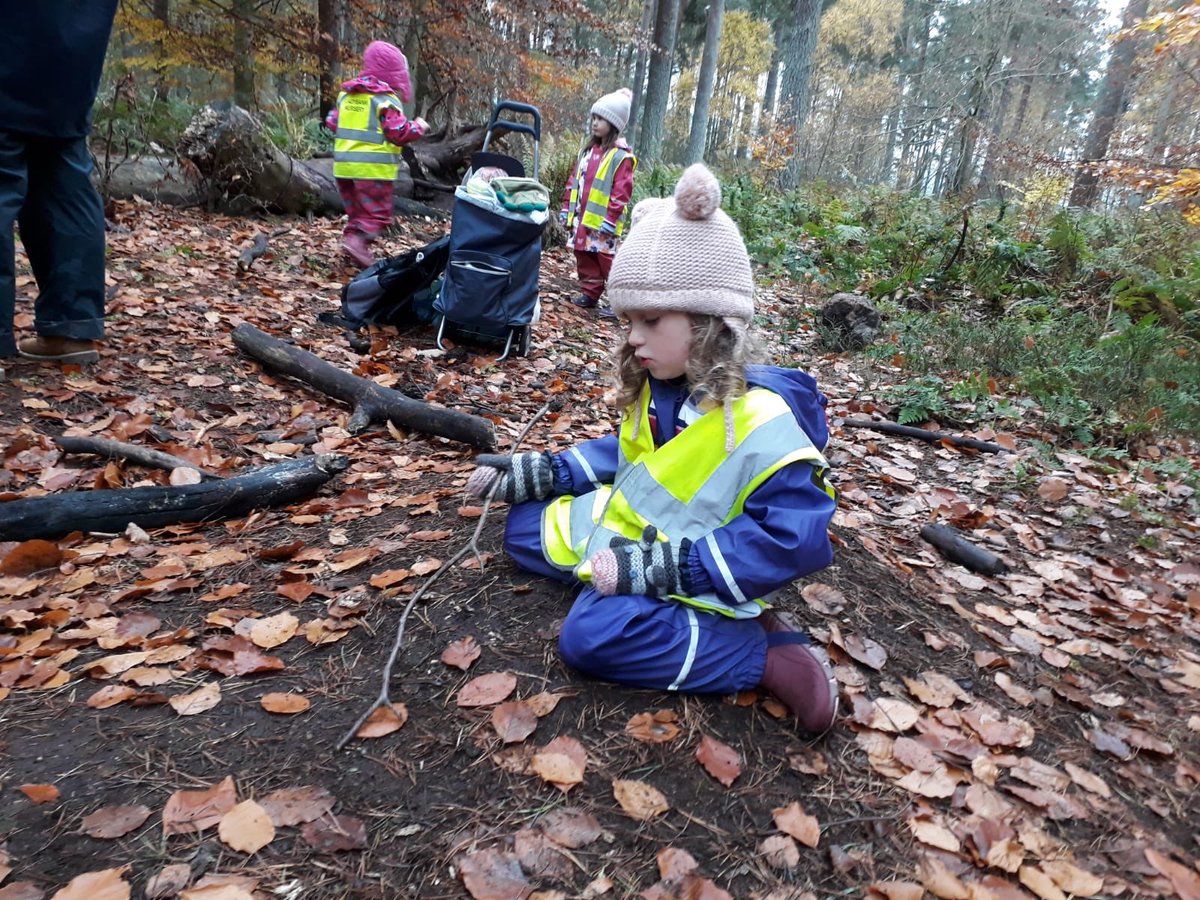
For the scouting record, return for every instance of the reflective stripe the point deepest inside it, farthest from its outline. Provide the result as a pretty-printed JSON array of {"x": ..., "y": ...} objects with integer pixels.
[
  {"x": 600, "y": 194},
  {"x": 366, "y": 156},
  {"x": 690, "y": 658},
  {"x": 719, "y": 559},
  {"x": 356, "y": 134},
  {"x": 360, "y": 149},
  {"x": 588, "y": 471}
]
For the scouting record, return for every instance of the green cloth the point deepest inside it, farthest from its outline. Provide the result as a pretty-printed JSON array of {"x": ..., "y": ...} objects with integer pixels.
[{"x": 521, "y": 194}]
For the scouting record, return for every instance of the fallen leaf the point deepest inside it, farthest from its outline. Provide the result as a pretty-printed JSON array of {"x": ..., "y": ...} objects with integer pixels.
[
  {"x": 114, "y": 821},
  {"x": 1041, "y": 884},
  {"x": 824, "y": 598},
  {"x": 639, "y": 800},
  {"x": 541, "y": 857},
  {"x": 898, "y": 890},
  {"x": 653, "y": 728},
  {"x": 544, "y": 703},
  {"x": 561, "y": 762},
  {"x": 793, "y": 820},
  {"x": 514, "y": 721},
  {"x": 39, "y": 793},
  {"x": 487, "y": 689},
  {"x": 426, "y": 566},
  {"x": 892, "y": 715},
  {"x": 334, "y": 834},
  {"x": 198, "y": 701},
  {"x": 1185, "y": 880},
  {"x": 493, "y": 875},
  {"x": 284, "y": 704},
  {"x": 274, "y": 630},
  {"x": 462, "y": 653},
  {"x": 246, "y": 828},
  {"x": 383, "y": 721},
  {"x": 935, "y": 835},
  {"x": 106, "y": 884},
  {"x": 111, "y": 695},
  {"x": 28, "y": 557},
  {"x": 187, "y": 812},
  {"x": 780, "y": 852},
  {"x": 721, "y": 761},
  {"x": 865, "y": 650},
  {"x": 675, "y": 863},
  {"x": 295, "y": 806},
  {"x": 1074, "y": 880},
  {"x": 169, "y": 881}
]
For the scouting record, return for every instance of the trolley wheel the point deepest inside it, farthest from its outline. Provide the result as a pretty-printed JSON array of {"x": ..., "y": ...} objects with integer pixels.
[{"x": 523, "y": 340}]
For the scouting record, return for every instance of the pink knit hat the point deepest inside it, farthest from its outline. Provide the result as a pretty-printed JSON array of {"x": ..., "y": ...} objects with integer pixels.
[
  {"x": 614, "y": 108},
  {"x": 684, "y": 254},
  {"x": 385, "y": 62}
]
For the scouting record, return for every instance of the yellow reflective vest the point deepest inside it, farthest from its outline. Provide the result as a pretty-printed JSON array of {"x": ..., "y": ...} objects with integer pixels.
[
  {"x": 685, "y": 488},
  {"x": 359, "y": 147},
  {"x": 600, "y": 194}
]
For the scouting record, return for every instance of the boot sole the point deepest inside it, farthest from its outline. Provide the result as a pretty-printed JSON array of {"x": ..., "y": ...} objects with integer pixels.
[{"x": 79, "y": 357}]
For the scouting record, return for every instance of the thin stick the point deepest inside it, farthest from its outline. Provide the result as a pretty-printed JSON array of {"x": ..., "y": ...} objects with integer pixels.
[
  {"x": 136, "y": 453},
  {"x": 925, "y": 434},
  {"x": 384, "y": 697}
]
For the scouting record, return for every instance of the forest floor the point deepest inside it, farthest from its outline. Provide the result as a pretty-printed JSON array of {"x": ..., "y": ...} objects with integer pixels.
[{"x": 1030, "y": 734}]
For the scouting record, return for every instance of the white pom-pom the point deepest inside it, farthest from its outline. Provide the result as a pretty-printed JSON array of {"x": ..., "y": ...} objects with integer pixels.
[{"x": 698, "y": 193}]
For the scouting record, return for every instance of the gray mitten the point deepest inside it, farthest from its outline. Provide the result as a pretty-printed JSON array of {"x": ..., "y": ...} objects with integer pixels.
[
  {"x": 651, "y": 567},
  {"x": 523, "y": 476}
]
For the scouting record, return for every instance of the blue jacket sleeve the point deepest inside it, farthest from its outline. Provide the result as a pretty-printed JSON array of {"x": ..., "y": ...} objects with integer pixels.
[
  {"x": 586, "y": 466},
  {"x": 781, "y": 535}
]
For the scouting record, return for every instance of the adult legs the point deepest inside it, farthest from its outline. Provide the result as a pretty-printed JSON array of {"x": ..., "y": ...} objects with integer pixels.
[{"x": 13, "y": 185}]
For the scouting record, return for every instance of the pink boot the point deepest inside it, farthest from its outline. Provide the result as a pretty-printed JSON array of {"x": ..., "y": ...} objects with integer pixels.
[
  {"x": 799, "y": 674},
  {"x": 356, "y": 247}
]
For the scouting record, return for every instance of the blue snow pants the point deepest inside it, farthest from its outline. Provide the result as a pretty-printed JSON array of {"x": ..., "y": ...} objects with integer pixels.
[
  {"x": 46, "y": 189},
  {"x": 639, "y": 640}
]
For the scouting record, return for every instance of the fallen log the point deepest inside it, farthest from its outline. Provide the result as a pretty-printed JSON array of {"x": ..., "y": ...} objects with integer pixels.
[
  {"x": 145, "y": 456},
  {"x": 956, "y": 548},
  {"x": 925, "y": 434},
  {"x": 112, "y": 511},
  {"x": 372, "y": 403}
]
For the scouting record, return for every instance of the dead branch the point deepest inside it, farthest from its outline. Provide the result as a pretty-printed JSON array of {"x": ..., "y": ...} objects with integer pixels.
[
  {"x": 111, "y": 511},
  {"x": 135, "y": 453},
  {"x": 373, "y": 403},
  {"x": 384, "y": 696},
  {"x": 956, "y": 548},
  {"x": 924, "y": 434}
]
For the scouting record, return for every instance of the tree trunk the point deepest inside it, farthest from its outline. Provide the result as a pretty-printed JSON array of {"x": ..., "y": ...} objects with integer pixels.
[
  {"x": 1109, "y": 106},
  {"x": 162, "y": 12},
  {"x": 797, "y": 72},
  {"x": 243, "y": 54},
  {"x": 658, "y": 87},
  {"x": 704, "y": 84},
  {"x": 645, "y": 36},
  {"x": 329, "y": 52},
  {"x": 773, "y": 77}
]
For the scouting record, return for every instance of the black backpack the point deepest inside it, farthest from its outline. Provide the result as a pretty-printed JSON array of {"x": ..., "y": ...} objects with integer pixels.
[{"x": 396, "y": 291}]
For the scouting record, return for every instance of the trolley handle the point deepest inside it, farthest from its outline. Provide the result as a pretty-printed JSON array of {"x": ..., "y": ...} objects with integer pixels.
[{"x": 525, "y": 109}]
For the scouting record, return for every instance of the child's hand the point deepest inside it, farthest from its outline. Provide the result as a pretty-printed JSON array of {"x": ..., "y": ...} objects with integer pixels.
[
  {"x": 523, "y": 476},
  {"x": 422, "y": 124},
  {"x": 651, "y": 568},
  {"x": 562, "y": 219}
]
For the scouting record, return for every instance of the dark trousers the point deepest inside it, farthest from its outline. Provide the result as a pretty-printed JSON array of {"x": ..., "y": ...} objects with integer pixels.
[
  {"x": 593, "y": 271},
  {"x": 46, "y": 191}
]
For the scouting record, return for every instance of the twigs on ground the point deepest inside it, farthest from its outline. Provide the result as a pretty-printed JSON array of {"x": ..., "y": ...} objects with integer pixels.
[
  {"x": 145, "y": 456},
  {"x": 384, "y": 697},
  {"x": 925, "y": 434}
]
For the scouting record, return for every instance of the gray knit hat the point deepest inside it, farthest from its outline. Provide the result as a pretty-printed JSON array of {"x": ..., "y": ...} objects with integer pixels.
[
  {"x": 684, "y": 254},
  {"x": 614, "y": 108}
]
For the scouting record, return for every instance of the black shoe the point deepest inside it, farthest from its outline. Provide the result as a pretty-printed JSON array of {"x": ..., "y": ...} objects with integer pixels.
[
  {"x": 583, "y": 301},
  {"x": 606, "y": 312}
]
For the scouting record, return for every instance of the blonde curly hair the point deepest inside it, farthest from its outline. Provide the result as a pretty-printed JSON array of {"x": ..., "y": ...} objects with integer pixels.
[{"x": 720, "y": 350}]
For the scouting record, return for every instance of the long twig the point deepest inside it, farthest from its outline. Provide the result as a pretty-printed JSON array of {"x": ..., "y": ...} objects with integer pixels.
[
  {"x": 924, "y": 434},
  {"x": 384, "y": 696}
]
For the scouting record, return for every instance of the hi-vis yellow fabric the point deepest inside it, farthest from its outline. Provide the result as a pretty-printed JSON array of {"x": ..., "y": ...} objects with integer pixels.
[
  {"x": 685, "y": 488},
  {"x": 359, "y": 147},
  {"x": 601, "y": 193}
]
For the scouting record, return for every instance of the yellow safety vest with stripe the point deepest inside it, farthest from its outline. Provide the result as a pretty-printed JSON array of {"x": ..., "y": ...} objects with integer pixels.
[
  {"x": 359, "y": 147},
  {"x": 600, "y": 194},
  {"x": 684, "y": 488}
]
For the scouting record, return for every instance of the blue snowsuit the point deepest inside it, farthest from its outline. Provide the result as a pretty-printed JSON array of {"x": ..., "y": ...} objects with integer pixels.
[
  {"x": 781, "y": 535},
  {"x": 52, "y": 55}
]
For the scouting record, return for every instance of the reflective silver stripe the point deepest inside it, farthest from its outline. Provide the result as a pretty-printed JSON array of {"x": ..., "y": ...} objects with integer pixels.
[
  {"x": 719, "y": 559},
  {"x": 586, "y": 466},
  {"x": 690, "y": 659},
  {"x": 365, "y": 156},
  {"x": 355, "y": 134}
]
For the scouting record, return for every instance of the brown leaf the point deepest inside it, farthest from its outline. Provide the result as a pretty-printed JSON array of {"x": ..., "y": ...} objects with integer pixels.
[
  {"x": 570, "y": 827},
  {"x": 514, "y": 721},
  {"x": 462, "y": 653},
  {"x": 115, "y": 821},
  {"x": 111, "y": 695},
  {"x": 295, "y": 806},
  {"x": 935, "y": 689},
  {"x": 284, "y": 704},
  {"x": 106, "y": 884},
  {"x": 1039, "y": 883},
  {"x": 780, "y": 852},
  {"x": 653, "y": 728},
  {"x": 1076, "y": 881},
  {"x": 1087, "y": 780},
  {"x": 493, "y": 875},
  {"x": 29, "y": 557},
  {"x": 487, "y": 689},
  {"x": 824, "y": 598},
  {"x": 334, "y": 834},
  {"x": 675, "y": 863},
  {"x": 426, "y": 566},
  {"x": 541, "y": 857},
  {"x": 898, "y": 890},
  {"x": 389, "y": 578},
  {"x": 298, "y": 591},
  {"x": 640, "y": 800},
  {"x": 39, "y": 793},
  {"x": 885, "y": 714},
  {"x": 198, "y": 701},
  {"x": 544, "y": 703},
  {"x": 246, "y": 828},
  {"x": 1053, "y": 489},
  {"x": 274, "y": 630},
  {"x": 1184, "y": 880},
  {"x": 187, "y": 812},
  {"x": 793, "y": 820},
  {"x": 169, "y": 881},
  {"x": 561, "y": 762},
  {"x": 935, "y": 835},
  {"x": 383, "y": 721},
  {"x": 721, "y": 761},
  {"x": 865, "y": 650}
]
